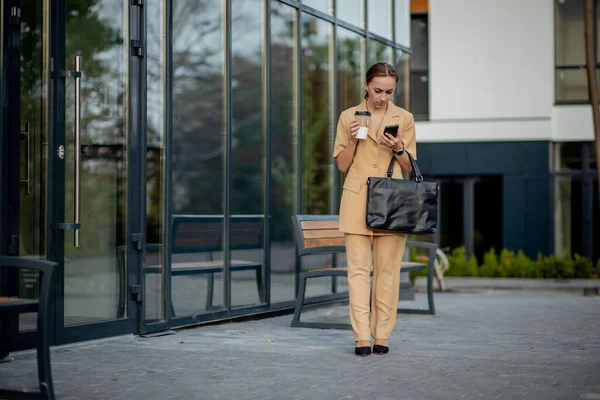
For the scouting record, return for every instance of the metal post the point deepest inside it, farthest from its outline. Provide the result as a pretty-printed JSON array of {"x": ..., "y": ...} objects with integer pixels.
[{"x": 468, "y": 215}]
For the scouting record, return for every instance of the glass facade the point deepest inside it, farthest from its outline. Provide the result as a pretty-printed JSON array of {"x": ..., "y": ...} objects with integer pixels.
[
  {"x": 576, "y": 208},
  {"x": 570, "y": 69},
  {"x": 162, "y": 164}
]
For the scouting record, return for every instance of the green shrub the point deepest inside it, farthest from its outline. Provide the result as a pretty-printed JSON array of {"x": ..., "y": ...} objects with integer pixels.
[
  {"x": 507, "y": 264},
  {"x": 460, "y": 265}
]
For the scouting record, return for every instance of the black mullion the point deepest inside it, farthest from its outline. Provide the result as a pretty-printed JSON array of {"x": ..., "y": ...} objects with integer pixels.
[
  {"x": 299, "y": 112},
  {"x": 266, "y": 126},
  {"x": 298, "y": 123},
  {"x": 227, "y": 158},
  {"x": 136, "y": 152},
  {"x": 56, "y": 170},
  {"x": 168, "y": 157}
]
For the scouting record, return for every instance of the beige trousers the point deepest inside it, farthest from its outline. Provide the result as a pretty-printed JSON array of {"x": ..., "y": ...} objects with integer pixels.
[{"x": 385, "y": 261}]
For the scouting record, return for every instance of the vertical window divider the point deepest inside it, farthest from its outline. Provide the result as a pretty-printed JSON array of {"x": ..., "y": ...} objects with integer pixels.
[
  {"x": 168, "y": 211},
  {"x": 298, "y": 121},
  {"x": 333, "y": 84},
  {"x": 227, "y": 132},
  {"x": 266, "y": 128},
  {"x": 298, "y": 110},
  {"x": 365, "y": 59}
]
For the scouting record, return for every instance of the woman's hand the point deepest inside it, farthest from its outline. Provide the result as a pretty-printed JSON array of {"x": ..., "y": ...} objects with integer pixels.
[
  {"x": 354, "y": 125},
  {"x": 390, "y": 142}
]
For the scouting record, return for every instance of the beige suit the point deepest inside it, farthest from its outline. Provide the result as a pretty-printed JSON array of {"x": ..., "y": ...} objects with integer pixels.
[{"x": 371, "y": 159}]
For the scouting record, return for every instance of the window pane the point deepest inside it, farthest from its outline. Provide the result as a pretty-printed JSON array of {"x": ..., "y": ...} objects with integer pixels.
[
  {"x": 317, "y": 135},
  {"x": 380, "y": 18},
  {"x": 379, "y": 52},
  {"x": 419, "y": 94},
  {"x": 419, "y": 42},
  {"x": 247, "y": 152},
  {"x": 321, "y": 5},
  {"x": 568, "y": 156},
  {"x": 402, "y": 91},
  {"x": 571, "y": 84},
  {"x": 155, "y": 159},
  {"x": 198, "y": 142},
  {"x": 402, "y": 22},
  {"x": 283, "y": 151},
  {"x": 569, "y": 36},
  {"x": 351, "y": 11},
  {"x": 350, "y": 74}
]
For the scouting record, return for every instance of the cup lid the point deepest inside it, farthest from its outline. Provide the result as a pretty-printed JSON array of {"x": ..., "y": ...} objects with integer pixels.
[{"x": 363, "y": 113}]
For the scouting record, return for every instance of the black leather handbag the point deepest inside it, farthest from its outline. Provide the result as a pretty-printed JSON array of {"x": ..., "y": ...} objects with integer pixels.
[{"x": 402, "y": 206}]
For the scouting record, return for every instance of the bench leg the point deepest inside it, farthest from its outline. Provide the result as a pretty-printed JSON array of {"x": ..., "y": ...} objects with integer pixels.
[
  {"x": 298, "y": 310},
  {"x": 43, "y": 357},
  {"x": 430, "y": 278},
  {"x": 299, "y": 300},
  {"x": 431, "y": 309},
  {"x": 259, "y": 284}
]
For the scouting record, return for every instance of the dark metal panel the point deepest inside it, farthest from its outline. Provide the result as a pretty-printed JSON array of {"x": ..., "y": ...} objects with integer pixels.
[
  {"x": 445, "y": 158},
  {"x": 496, "y": 157}
]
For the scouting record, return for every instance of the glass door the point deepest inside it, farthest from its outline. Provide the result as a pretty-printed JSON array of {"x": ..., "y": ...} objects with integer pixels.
[
  {"x": 24, "y": 144},
  {"x": 97, "y": 213}
]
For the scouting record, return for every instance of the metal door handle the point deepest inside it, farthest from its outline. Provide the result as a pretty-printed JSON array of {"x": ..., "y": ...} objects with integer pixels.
[
  {"x": 27, "y": 135},
  {"x": 77, "y": 158}
]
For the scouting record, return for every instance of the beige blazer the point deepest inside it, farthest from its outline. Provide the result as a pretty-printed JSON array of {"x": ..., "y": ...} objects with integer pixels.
[{"x": 370, "y": 159}]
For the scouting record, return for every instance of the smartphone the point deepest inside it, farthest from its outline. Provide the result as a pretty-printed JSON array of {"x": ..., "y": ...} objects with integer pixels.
[{"x": 391, "y": 129}]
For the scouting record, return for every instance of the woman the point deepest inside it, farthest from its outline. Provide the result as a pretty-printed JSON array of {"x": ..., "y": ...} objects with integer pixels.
[{"x": 364, "y": 158}]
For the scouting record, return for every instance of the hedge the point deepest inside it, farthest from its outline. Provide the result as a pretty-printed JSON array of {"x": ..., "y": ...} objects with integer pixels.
[{"x": 509, "y": 264}]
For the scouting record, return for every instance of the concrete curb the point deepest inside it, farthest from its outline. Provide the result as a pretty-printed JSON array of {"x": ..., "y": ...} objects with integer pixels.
[{"x": 467, "y": 284}]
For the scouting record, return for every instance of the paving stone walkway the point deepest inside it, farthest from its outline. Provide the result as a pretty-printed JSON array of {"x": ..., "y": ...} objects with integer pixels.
[{"x": 487, "y": 345}]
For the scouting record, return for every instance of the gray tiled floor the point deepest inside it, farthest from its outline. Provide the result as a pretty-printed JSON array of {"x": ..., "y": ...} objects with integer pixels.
[{"x": 488, "y": 345}]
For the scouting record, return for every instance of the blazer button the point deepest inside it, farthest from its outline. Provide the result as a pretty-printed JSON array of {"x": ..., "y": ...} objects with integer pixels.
[
  {"x": 374, "y": 144},
  {"x": 374, "y": 165}
]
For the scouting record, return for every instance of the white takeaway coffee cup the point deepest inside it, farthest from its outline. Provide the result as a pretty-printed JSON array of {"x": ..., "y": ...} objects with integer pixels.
[{"x": 363, "y": 118}]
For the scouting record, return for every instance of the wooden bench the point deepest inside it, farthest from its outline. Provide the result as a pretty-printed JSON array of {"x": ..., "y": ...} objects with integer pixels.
[
  {"x": 203, "y": 234},
  {"x": 11, "y": 307},
  {"x": 319, "y": 234}
]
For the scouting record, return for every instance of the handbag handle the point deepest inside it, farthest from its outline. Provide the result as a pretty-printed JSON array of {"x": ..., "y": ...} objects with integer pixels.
[{"x": 417, "y": 177}]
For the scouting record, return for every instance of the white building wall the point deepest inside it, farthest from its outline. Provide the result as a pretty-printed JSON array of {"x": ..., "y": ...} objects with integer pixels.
[{"x": 492, "y": 74}]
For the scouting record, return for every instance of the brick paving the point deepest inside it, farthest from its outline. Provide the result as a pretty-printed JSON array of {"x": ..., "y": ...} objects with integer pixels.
[{"x": 486, "y": 345}]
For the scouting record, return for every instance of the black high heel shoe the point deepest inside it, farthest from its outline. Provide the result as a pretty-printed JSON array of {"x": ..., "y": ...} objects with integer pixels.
[
  {"x": 379, "y": 349},
  {"x": 362, "y": 351}
]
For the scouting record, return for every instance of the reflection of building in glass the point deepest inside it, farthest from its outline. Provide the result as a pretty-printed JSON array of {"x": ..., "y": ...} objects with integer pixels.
[{"x": 505, "y": 124}]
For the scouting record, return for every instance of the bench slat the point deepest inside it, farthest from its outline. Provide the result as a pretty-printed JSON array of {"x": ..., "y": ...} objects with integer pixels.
[
  {"x": 204, "y": 267},
  {"x": 311, "y": 243},
  {"x": 15, "y": 305},
  {"x": 319, "y": 225},
  {"x": 323, "y": 233}
]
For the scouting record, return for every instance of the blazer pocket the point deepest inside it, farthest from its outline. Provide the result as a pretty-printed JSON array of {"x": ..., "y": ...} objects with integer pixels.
[{"x": 352, "y": 185}]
